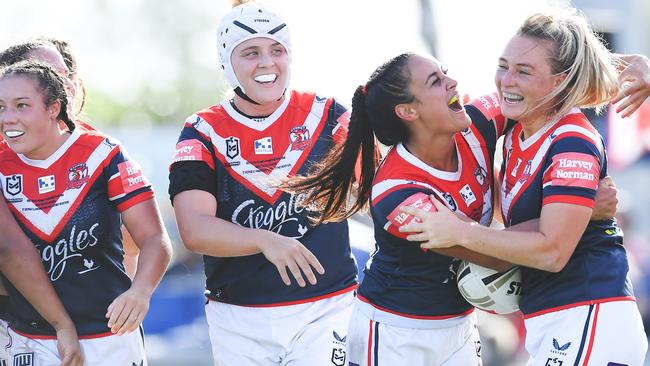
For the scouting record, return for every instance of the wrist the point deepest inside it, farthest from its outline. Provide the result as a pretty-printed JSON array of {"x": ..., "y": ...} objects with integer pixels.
[
  {"x": 465, "y": 231},
  {"x": 63, "y": 325}
]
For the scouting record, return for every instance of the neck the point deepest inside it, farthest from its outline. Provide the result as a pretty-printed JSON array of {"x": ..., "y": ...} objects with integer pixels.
[
  {"x": 46, "y": 150},
  {"x": 437, "y": 151},
  {"x": 530, "y": 126},
  {"x": 251, "y": 109}
]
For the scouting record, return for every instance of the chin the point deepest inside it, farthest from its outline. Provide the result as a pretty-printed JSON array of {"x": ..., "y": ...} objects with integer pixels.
[{"x": 511, "y": 113}]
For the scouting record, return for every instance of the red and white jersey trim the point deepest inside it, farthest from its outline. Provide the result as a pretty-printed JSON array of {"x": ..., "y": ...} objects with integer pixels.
[{"x": 264, "y": 182}]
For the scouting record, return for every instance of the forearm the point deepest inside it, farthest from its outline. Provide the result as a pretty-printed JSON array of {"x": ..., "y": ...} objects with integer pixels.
[
  {"x": 474, "y": 257},
  {"x": 216, "y": 237},
  {"x": 155, "y": 254},
  {"x": 538, "y": 251},
  {"x": 22, "y": 266}
]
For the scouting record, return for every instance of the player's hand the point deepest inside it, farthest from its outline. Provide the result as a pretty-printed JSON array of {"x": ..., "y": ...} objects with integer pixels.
[
  {"x": 127, "y": 311},
  {"x": 435, "y": 229},
  {"x": 289, "y": 253},
  {"x": 67, "y": 343},
  {"x": 606, "y": 201},
  {"x": 634, "y": 79}
]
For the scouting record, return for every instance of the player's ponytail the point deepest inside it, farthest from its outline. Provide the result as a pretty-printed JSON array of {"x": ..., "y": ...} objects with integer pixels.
[{"x": 330, "y": 181}]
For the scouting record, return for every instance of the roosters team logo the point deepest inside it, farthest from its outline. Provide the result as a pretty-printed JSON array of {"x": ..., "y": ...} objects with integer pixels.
[
  {"x": 77, "y": 176},
  {"x": 300, "y": 138}
]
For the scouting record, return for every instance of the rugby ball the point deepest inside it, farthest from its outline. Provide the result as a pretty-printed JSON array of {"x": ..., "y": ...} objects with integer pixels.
[{"x": 489, "y": 290}]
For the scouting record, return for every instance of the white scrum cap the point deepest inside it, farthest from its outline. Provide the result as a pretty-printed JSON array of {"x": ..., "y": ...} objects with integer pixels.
[{"x": 246, "y": 21}]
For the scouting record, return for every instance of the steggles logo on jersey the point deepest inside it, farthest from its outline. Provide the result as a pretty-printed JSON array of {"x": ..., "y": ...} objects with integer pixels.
[
  {"x": 14, "y": 184},
  {"x": 55, "y": 257},
  {"x": 270, "y": 218},
  {"x": 46, "y": 184},
  {"x": 232, "y": 147},
  {"x": 78, "y": 176},
  {"x": 263, "y": 146},
  {"x": 300, "y": 139}
]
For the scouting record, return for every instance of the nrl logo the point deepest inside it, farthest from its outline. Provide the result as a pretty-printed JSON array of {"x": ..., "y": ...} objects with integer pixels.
[
  {"x": 14, "y": 184},
  {"x": 232, "y": 147}
]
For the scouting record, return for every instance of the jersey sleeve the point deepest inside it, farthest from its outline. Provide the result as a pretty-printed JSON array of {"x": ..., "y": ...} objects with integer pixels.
[
  {"x": 194, "y": 163},
  {"x": 572, "y": 171},
  {"x": 127, "y": 185},
  {"x": 486, "y": 116},
  {"x": 387, "y": 209}
]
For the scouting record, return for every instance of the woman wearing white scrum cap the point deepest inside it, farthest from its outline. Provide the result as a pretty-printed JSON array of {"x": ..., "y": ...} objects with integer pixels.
[{"x": 280, "y": 289}]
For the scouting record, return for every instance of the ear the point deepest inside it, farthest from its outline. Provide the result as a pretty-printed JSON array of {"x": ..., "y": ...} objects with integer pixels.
[
  {"x": 54, "y": 109},
  {"x": 406, "y": 112},
  {"x": 559, "y": 79}
]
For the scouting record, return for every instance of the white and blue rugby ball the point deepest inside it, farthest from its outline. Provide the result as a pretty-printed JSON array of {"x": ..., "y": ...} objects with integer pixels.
[{"x": 489, "y": 290}]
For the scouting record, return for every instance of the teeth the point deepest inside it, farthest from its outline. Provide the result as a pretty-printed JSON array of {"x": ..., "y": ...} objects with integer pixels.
[
  {"x": 13, "y": 133},
  {"x": 512, "y": 97},
  {"x": 453, "y": 100},
  {"x": 266, "y": 78}
]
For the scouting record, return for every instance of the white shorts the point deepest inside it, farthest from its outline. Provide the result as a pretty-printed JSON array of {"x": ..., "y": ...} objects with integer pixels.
[
  {"x": 4, "y": 343},
  {"x": 127, "y": 349},
  {"x": 374, "y": 344},
  {"x": 609, "y": 333},
  {"x": 309, "y": 334}
]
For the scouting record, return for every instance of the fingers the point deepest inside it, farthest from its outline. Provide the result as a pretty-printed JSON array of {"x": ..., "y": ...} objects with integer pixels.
[
  {"x": 283, "y": 274},
  {"x": 415, "y": 227},
  {"x": 418, "y": 237},
  {"x": 420, "y": 214},
  {"x": 295, "y": 271},
  {"x": 72, "y": 359},
  {"x": 608, "y": 181},
  {"x": 300, "y": 265},
  {"x": 125, "y": 316}
]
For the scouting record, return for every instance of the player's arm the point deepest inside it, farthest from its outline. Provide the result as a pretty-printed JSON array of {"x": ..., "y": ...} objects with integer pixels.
[
  {"x": 565, "y": 213},
  {"x": 202, "y": 232},
  {"x": 131, "y": 252},
  {"x": 560, "y": 227},
  {"x": 21, "y": 264},
  {"x": 144, "y": 223}
]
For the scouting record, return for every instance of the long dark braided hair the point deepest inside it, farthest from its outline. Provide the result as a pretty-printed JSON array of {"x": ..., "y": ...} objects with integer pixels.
[
  {"x": 330, "y": 181},
  {"x": 49, "y": 83}
]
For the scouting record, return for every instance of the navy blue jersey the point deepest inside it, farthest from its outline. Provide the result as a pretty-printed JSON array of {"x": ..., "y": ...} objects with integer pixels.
[
  {"x": 69, "y": 206},
  {"x": 564, "y": 163},
  {"x": 245, "y": 159},
  {"x": 400, "y": 278}
]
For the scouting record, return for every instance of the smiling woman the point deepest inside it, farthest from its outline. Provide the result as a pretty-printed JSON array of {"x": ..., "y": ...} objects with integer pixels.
[
  {"x": 29, "y": 112},
  {"x": 261, "y": 252},
  {"x": 85, "y": 186}
]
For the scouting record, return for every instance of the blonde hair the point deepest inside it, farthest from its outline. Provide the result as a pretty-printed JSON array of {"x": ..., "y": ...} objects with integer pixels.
[{"x": 591, "y": 78}]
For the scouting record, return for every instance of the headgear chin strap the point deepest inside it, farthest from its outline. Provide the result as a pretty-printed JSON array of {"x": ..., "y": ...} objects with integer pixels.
[{"x": 244, "y": 22}]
